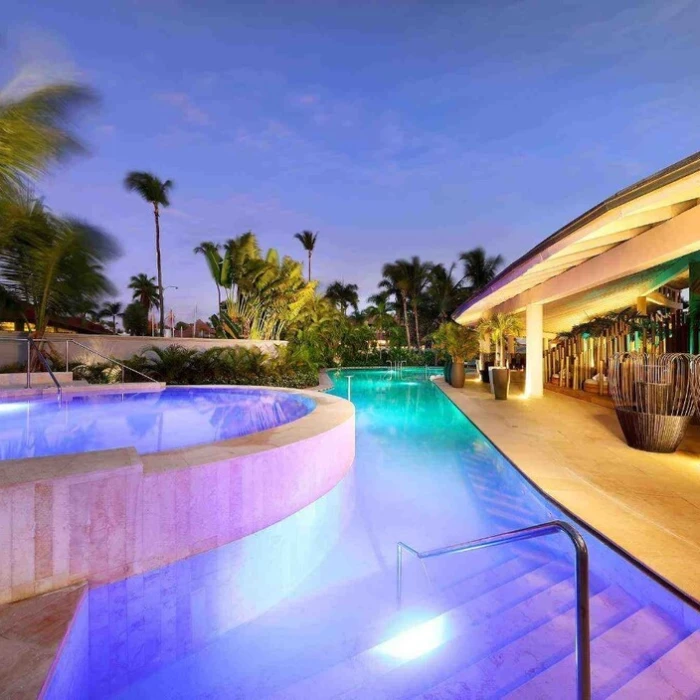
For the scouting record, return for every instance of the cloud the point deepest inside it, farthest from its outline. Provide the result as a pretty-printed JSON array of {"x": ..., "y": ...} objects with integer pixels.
[
  {"x": 189, "y": 111},
  {"x": 41, "y": 58}
]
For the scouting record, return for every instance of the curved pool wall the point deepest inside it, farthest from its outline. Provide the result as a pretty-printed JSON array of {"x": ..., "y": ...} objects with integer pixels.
[
  {"x": 179, "y": 609},
  {"x": 423, "y": 474},
  {"x": 103, "y": 516},
  {"x": 153, "y": 421}
]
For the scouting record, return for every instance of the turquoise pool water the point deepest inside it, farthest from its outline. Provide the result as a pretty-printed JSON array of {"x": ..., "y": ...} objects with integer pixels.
[
  {"x": 306, "y": 608},
  {"x": 148, "y": 421}
]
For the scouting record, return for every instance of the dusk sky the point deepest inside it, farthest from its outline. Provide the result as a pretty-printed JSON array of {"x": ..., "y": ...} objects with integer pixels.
[{"x": 392, "y": 128}]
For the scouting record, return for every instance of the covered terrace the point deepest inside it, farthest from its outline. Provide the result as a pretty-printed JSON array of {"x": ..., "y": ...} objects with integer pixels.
[{"x": 639, "y": 249}]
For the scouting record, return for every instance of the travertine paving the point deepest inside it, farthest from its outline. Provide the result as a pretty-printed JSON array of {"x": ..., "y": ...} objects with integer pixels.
[
  {"x": 31, "y": 632},
  {"x": 648, "y": 504}
]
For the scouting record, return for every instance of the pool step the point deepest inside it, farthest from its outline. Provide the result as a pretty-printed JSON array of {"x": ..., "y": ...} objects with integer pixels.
[
  {"x": 502, "y": 671},
  {"x": 674, "y": 676},
  {"x": 539, "y": 591},
  {"x": 459, "y": 668},
  {"x": 324, "y": 645},
  {"x": 617, "y": 656}
]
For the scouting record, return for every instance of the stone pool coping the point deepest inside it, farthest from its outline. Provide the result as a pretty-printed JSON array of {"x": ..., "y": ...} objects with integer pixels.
[
  {"x": 647, "y": 506},
  {"x": 105, "y": 515}
]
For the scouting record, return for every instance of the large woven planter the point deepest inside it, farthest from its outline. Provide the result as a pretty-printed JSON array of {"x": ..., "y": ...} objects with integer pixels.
[
  {"x": 653, "y": 398},
  {"x": 652, "y": 432}
]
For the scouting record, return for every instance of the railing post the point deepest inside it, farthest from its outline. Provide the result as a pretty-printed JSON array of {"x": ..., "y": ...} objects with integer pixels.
[
  {"x": 29, "y": 363},
  {"x": 350, "y": 376},
  {"x": 66, "y": 355},
  {"x": 583, "y": 637}
]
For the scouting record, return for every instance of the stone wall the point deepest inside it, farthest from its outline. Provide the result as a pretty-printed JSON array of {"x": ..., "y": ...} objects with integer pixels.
[
  {"x": 120, "y": 347},
  {"x": 103, "y": 516}
]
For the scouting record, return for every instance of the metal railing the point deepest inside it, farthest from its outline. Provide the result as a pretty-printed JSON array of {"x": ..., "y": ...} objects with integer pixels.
[
  {"x": 104, "y": 357},
  {"x": 583, "y": 632},
  {"x": 32, "y": 346}
]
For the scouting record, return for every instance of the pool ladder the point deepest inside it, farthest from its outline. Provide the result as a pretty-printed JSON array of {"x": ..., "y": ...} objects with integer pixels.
[
  {"x": 396, "y": 366},
  {"x": 553, "y": 527}
]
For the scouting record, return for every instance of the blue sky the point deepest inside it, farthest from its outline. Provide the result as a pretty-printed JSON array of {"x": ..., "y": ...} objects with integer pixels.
[{"x": 392, "y": 128}]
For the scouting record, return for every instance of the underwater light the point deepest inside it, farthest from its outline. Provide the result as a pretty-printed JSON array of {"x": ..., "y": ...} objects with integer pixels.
[
  {"x": 415, "y": 641},
  {"x": 13, "y": 406}
]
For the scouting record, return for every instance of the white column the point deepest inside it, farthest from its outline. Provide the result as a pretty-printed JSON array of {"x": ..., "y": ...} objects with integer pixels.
[{"x": 534, "y": 380}]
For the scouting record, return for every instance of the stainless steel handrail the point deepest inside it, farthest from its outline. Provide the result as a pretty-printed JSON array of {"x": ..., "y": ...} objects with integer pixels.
[
  {"x": 583, "y": 632},
  {"x": 32, "y": 345},
  {"x": 109, "y": 359}
]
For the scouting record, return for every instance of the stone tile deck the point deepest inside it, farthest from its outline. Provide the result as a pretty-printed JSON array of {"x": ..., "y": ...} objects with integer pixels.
[
  {"x": 648, "y": 504},
  {"x": 31, "y": 633}
]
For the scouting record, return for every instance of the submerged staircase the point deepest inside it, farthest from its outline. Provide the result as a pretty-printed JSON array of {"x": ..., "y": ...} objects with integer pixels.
[{"x": 508, "y": 632}]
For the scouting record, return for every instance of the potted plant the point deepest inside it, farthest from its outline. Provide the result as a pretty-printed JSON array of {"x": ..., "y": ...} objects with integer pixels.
[
  {"x": 500, "y": 327},
  {"x": 461, "y": 344}
]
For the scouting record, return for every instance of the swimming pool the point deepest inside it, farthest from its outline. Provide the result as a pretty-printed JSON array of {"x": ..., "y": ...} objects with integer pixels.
[
  {"x": 149, "y": 421},
  {"x": 323, "y": 623}
]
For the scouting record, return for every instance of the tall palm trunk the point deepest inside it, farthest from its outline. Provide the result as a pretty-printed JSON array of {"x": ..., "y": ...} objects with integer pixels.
[
  {"x": 415, "y": 320},
  {"x": 160, "y": 271},
  {"x": 309, "y": 266},
  {"x": 405, "y": 320}
]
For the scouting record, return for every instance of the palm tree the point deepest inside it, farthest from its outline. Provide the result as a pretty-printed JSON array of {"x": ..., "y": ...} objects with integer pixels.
[
  {"x": 54, "y": 266},
  {"x": 113, "y": 309},
  {"x": 210, "y": 251},
  {"x": 378, "y": 313},
  {"x": 155, "y": 192},
  {"x": 419, "y": 275},
  {"x": 500, "y": 327},
  {"x": 444, "y": 292},
  {"x": 343, "y": 295},
  {"x": 145, "y": 291},
  {"x": 396, "y": 280},
  {"x": 480, "y": 269},
  {"x": 308, "y": 240},
  {"x": 34, "y": 130}
]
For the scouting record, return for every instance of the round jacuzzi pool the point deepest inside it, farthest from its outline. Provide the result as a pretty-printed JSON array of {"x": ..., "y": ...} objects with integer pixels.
[{"x": 149, "y": 421}]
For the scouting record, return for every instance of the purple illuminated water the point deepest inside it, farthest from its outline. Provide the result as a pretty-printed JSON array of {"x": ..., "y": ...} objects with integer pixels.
[
  {"x": 306, "y": 608},
  {"x": 148, "y": 421}
]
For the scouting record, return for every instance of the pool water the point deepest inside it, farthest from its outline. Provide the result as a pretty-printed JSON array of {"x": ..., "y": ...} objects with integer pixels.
[
  {"x": 148, "y": 421},
  {"x": 306, "y": 608}
]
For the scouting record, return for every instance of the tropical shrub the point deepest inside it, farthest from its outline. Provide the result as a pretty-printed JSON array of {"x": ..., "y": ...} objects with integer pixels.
[
  {"x": 135, "y": 319},
  {"x": 459, "y": 342},
  {"x": 178, "y": 365}
]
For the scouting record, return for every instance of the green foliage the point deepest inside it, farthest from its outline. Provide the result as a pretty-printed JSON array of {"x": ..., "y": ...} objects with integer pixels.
[
  {"x": 499, "y": 328},
  {"x": 135, "y": 319},
  {"x": 459, "y": 342},
  {"x": 479, "y": 268},
  {"x": 35, "y": 130},
  {"x": 149, "y": 187},
  {"x": 343, "y": 296},
  {"x": 51, "y": 264},
  {"x": 267, "y": 298},
  {"x": 178, "y": 365},
  {"x": 145, "y": 291}
]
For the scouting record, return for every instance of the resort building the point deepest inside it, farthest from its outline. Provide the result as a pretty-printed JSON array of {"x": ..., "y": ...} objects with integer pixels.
[{"x": 626, "y": 273}]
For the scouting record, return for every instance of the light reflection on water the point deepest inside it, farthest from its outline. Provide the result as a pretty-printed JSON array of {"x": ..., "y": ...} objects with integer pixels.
[
  {"x": 178, "y": 637},
  {"x": 257, "y": 616},
  {"x": 148, "y": 421}
]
